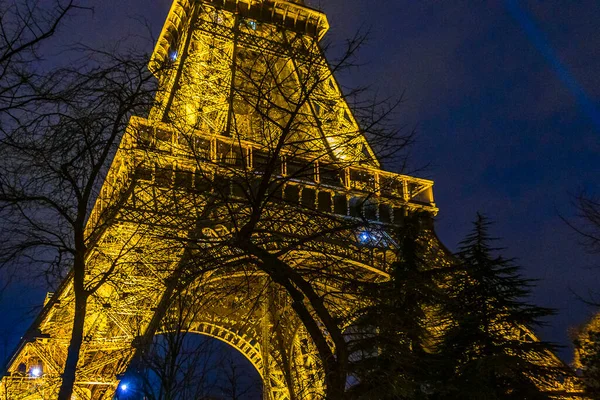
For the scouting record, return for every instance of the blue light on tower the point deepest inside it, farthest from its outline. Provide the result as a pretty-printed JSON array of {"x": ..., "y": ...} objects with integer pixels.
[
  {"x": 124, "y": 387},
  {"x": 35, "y": 372},
  {"x": 365, "y": 237},
  {"x": 173, "y": 55},
  {"x": 252, "y": 25}
]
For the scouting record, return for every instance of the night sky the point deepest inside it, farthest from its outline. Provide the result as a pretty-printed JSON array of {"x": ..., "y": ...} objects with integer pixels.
[{"x": 505, "y": 96}]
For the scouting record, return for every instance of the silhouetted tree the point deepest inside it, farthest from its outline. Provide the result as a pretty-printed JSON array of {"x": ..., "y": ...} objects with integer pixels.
[
  {"x": 53, "y": 161},
  {"x": 489, "y": 346},
  {"x": 394, "y": 335},
  {"x": 182, "y": 365},
  {"x": 285, "y": 169},
  {"x": 587, "y": 356},
  {"x": 588, "y": 225},
  {"x": 25, "y": 27},
  {"x": 262, "y": 141},
  {"x": 587, "y": 342}
]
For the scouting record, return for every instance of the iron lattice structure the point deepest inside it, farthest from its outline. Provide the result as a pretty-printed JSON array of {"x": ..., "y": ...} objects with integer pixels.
[{"x": 249, "y": 117}]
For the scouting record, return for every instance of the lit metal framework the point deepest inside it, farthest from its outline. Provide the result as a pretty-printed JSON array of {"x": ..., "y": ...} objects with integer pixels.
[{"x": 235, "y": 77}]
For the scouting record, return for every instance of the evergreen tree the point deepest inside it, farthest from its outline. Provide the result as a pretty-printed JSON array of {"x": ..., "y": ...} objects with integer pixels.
[
  {"x": 392, "y": 336},
  {"x": 489, "y": 348}
]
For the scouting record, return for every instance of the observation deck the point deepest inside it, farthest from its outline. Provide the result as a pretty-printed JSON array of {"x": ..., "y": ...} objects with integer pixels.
[
  {"x": 291, "y": 15},
  {"x": 160, "y": 155}
]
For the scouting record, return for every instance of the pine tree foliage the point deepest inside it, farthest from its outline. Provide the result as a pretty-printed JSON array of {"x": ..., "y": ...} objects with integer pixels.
[
  {"x": 392, "y": 338},
  {"x": 490, "y": 350}
]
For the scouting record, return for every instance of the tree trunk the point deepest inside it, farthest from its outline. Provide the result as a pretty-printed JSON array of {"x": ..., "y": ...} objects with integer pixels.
[
  {"x": 334, "y": 364},
  {"x": 68, "y": 377}
]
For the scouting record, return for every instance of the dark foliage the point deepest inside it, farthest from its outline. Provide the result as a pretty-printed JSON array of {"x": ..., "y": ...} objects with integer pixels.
[
  {"x": 394, "y": 334},
  {"x": 489, "y": 347}
]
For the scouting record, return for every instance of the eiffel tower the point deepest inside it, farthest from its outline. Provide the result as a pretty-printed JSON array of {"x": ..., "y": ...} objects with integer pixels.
[{"x": 250, "y": 163}]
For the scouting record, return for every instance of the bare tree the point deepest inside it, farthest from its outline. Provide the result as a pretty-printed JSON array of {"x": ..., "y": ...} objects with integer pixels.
[
  {"x": 294, "y": 188},
  {"x": 252, "y": 162},
  {"x": 587, "y": 355},
  {"x": 54, "y": 159},
  {"x": 25, "y": 26},
  {"x": 184, "y": 365},
  {"x": 588, "y": 226},
  {"x": 587, "y": 336},
  {"x": 235, "y": 384}
]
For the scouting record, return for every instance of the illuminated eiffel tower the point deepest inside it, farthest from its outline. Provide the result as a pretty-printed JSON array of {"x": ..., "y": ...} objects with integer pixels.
[{"x": 251, "y": 154}]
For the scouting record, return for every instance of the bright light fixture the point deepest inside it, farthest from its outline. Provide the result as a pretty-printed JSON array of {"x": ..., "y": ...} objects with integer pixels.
[{"x": 364, "y": 237}]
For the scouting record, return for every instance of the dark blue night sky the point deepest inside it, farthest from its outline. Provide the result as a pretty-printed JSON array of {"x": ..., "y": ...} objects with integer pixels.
[{"x": 505, "y": 96}]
